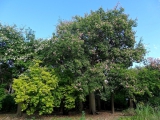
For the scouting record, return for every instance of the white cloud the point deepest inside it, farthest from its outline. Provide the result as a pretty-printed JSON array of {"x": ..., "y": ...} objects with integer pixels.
[
  {"x": 155, "y": 47},
  {"x": 146, "y": 45}
]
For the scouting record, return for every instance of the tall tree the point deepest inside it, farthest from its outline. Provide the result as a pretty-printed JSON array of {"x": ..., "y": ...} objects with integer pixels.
[{"x": 89, "y": 45}]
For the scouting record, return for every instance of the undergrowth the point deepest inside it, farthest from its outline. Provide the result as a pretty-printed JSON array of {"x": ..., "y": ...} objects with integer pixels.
[{"x": 142, "y": 112}]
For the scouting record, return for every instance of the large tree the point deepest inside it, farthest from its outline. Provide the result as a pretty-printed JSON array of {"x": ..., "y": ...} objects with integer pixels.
[{"x": 89, "y": 45}]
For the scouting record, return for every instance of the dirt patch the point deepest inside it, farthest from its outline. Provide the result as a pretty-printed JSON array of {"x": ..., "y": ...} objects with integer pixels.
[{"x": 99, "y": 116}]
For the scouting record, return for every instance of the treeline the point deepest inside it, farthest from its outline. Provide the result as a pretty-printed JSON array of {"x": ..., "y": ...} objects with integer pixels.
[{"x": 85, "y": 65}]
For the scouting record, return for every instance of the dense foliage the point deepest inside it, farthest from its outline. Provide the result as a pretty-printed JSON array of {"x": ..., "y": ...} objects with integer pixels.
[
  {"x": 87, "y": 57},
  {"x": 143, "y": 112},
  {"x": 2, "y": 94},
  {"x": 34, "y": 89},
  {"x": 90, "y": 46}
]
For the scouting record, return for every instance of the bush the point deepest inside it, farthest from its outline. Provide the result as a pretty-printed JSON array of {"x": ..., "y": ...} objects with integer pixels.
[
  {"x": 129, "y": 112},
  {"x": 2, "y": 94},
  {"x": 8, "y": 104},
  {"x": 144, "y": 112},
  {"x": 154, "y": 101},
  {"x": 34, "y": 89},
  {"x": 120, "y": 101}
]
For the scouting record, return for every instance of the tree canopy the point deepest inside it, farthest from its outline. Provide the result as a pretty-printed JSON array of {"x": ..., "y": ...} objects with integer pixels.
[
  {"x": 88, "y": 56},
  {"x": 89, "y": 47}
]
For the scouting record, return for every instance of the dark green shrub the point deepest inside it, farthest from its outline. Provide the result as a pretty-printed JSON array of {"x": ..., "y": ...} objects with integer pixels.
[
  {"x": 144, "y": 112},
  {"x": 2, "y": 94},
  {"x": 8, "y": 104},
  {"x": 154, "y": 101},
  {"x": 120, "y": 101}
]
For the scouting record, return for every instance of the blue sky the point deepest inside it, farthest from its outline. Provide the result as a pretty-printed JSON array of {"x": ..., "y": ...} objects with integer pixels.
[{"x": 43, "y": 15}]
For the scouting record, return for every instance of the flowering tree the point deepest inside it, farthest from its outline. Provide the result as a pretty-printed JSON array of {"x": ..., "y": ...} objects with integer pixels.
[
  {"x": 17, "y": 49},
  {"x": 149, "y": 80},
  {"x": 152, "y": 63},
  {"x": 119, "y": 78},
  {"x": 90, "y": 45},
  {"x": 65, "y": 53},
  {"x": 10, "y": 43}
]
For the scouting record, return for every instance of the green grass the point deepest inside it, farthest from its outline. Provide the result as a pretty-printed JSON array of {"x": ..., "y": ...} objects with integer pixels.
[{"x": 144, "y": 112}]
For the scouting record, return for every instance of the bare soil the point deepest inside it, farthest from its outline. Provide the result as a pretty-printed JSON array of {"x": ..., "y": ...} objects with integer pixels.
[{"x": 100, "y": 116}]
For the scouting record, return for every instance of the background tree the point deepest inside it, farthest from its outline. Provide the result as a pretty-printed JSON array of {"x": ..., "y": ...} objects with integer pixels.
[
  {"x": 126, "y": 80},
  {"x": 148, "y": 76},
  {"x": 16, "y": 52},
  {"x": 11, "y": 40}
]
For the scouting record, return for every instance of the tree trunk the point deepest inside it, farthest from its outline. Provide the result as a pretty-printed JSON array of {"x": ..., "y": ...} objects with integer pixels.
[
  {"x": 92, "y": 104},
  {"x": 130, "y": 103},
  {"x": 98, "y": 103},
  {"x": 112, "y": 102},
  {"x": 61, "y": 107},
  {"x": 80, "y": 106},
  {"x": 64, "y": 110},
  {"x": 19, "y": 110}
]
